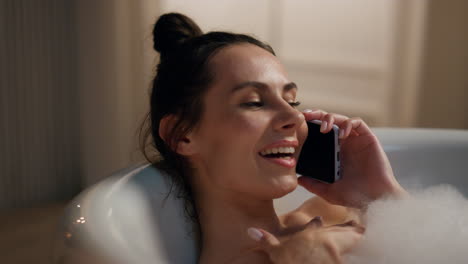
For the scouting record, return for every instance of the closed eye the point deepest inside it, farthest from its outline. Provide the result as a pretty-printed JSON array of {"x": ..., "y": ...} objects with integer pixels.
[
  {"x": 295, "y": 104},
  {"x": 261, "y": 104},
  {"x": 253, "y": 104}
]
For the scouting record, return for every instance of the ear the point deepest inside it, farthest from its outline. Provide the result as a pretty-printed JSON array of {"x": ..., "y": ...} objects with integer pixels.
[{"x": 185, "y": 146}]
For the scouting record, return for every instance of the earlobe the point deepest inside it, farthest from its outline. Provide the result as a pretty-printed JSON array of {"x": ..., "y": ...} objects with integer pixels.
[{"x": 184, "y": 146}]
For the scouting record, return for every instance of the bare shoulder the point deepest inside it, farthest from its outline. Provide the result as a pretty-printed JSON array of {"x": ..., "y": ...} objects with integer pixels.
[
  {"x": 253, "y": 256},
  {"x": 316, "y": 206}
]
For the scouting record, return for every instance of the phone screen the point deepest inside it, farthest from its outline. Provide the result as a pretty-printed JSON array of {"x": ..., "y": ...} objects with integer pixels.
[{"x": 319, "y": 156}]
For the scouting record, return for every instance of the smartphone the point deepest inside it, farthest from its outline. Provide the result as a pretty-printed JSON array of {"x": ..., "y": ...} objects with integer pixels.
[{"x": 320, "y": 154}]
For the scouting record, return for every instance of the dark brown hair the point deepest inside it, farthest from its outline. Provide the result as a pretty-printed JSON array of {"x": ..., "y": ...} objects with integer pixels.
[{"x": 182, "y": 78}]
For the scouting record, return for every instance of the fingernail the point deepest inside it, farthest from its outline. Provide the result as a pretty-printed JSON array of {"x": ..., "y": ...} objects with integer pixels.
[
  {"x": 254, "y": 233},
  {"x": 307, "y": 111},
  {"x": 341, "y": 133},
  {"x": 323, "y": 126},
  {"x": 361, "y": 229}
]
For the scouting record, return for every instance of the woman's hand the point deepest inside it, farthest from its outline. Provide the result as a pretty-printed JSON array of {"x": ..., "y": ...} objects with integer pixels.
[
  {"x": 312, "y": 244},
  {"x": 367, "y": 174}
]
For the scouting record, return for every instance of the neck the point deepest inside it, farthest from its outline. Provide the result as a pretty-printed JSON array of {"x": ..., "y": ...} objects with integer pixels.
[{"x": 225, "y": 220}]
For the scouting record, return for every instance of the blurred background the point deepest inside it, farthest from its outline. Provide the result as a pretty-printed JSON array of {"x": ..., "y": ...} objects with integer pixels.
[{"x": 75, "y": 78}]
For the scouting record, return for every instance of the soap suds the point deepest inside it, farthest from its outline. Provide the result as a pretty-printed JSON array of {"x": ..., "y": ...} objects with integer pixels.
[{"x": 429, "y": 227}]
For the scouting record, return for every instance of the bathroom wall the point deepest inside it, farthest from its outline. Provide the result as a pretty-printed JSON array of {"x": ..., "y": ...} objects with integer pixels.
[
  {"x": 390, "y": 73},
  {"x": 444, "y": 87},
  {"x": 114, "y": 74},
  {"x": 75, "y": 75},
  {"x": 74, "y": 79},
  {"x": 359, "y": 58},
  {"x": 39, "y": 108}
]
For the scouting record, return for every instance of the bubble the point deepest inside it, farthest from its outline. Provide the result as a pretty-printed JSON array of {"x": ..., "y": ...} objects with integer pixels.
[{"x": 429, "y": 227}]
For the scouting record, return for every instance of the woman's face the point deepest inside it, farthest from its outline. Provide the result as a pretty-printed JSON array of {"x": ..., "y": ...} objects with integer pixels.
[{"x": 249, "y": 111}]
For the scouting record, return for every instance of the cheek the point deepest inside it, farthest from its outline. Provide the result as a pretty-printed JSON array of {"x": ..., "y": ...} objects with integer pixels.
[
  {"x": 250, "y": 124},
  {"x": 302, "y": 133},
  {"x": 231, "y": 133},
  {"x": 243, "y": 132},
  {"x": 227, "y": 150}
]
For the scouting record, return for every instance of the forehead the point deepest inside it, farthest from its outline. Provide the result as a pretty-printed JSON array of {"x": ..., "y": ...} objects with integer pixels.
[{"x": 247, "y": 62}]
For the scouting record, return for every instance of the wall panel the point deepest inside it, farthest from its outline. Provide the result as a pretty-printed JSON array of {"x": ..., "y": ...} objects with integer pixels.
[{"x": 39, "y": 140}]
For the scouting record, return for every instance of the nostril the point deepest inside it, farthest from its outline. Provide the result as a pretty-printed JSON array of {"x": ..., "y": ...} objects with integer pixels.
[{"x": 288, "y": 126}]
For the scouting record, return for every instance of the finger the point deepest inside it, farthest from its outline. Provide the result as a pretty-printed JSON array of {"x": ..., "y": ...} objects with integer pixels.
[
  {"x": 347, "y": 127},
  {"x": 359, "y": 126},
  {"x": 353, "y": 224},
  {"x": 331, "y": 119},
  {"x": 349, "y": 223},
  {"x": 360, "y": 229},
  {"x": 327, "y": 123},
  {"x": 313, "y": 185},
  {"x": 316, "y": 222},
  {"x": 347, "y": 240},
  {"x": 265, "y": 238},
  {"x": 338, "y": 119},
  {"x": 314, "y": 114}
]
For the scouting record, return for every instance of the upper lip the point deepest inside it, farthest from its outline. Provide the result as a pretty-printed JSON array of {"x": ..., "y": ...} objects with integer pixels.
[{"x": 281, "y": 143}]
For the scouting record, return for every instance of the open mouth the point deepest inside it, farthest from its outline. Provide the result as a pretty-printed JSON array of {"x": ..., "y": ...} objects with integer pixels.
[
  {"x": 281, "y": 153},
  {"x": 278, "y": 155}
]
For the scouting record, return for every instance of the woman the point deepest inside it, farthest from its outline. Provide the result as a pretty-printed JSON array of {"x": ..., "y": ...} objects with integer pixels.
[{"x": 219, "y": 102}]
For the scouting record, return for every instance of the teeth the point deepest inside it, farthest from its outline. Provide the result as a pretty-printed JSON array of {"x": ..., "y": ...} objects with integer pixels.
[{"x": 287, "y": 150}]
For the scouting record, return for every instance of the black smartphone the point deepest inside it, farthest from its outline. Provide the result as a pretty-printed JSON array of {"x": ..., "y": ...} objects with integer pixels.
[{"x": 320, "y": 154}]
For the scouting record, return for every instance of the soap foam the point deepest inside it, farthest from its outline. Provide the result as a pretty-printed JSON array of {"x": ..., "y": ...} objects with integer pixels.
[{"x": 429, "y": 227}]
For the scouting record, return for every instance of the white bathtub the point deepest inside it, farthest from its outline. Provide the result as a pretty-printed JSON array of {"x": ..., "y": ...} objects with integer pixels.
[{"x": 125, "y": 218}]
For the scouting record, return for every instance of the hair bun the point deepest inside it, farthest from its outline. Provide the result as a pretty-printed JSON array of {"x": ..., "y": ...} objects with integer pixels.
[{"x": 173, "y": 29}]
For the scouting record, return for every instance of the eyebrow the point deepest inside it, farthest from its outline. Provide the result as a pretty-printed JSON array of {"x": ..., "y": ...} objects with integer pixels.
[{"x": 287, "y": 87}]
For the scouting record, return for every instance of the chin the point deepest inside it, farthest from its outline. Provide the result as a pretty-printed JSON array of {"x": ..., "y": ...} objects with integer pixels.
[{"x": 284, "y": 184}]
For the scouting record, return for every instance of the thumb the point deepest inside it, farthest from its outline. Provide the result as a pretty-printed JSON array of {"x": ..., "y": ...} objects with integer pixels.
[
  {"x": 313, "y": 185},
  {"x": 264, "y": 238}
]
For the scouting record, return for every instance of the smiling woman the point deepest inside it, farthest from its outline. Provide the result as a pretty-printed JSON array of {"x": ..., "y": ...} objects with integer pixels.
[
  {"x": 233, "y": 131},
  {"x": 181, "y": 81},
  {"x": 224, "y": 123}
]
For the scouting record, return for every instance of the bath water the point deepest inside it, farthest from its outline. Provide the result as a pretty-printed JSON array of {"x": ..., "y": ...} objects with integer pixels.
[{"x": 430, "y": 227}]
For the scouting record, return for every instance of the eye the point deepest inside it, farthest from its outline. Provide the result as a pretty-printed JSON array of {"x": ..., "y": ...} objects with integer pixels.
[
  {"x": 295, "y": 104},
  {"x": 255, "y": 104}
]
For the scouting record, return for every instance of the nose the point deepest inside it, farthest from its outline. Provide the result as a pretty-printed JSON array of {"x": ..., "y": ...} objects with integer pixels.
[{"x": 288, "y": 118}]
